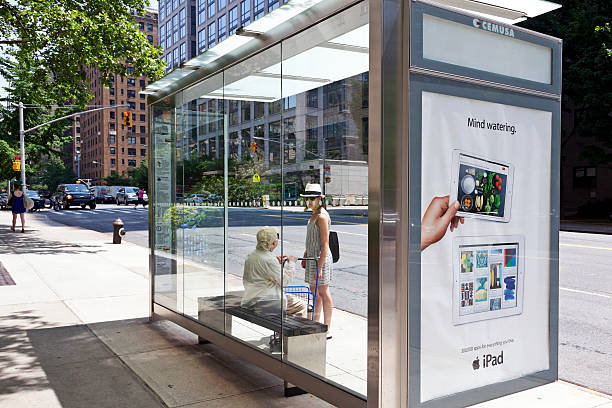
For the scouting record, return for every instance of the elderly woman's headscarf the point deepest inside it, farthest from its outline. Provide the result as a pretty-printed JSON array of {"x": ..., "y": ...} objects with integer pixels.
[{"x": 266, "y": 237}]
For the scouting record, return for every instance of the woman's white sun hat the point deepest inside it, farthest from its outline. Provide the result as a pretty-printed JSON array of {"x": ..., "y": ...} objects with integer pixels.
[{"x": 312, "y": 190}]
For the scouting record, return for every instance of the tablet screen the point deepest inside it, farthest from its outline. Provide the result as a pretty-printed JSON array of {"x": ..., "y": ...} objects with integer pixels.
[
  {"x": 481, "y": 186},
  {"x": 488, "y": 277}
]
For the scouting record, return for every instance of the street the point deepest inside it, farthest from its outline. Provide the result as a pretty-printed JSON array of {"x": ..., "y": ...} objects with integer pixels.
[{"x": 585, "y": 321}]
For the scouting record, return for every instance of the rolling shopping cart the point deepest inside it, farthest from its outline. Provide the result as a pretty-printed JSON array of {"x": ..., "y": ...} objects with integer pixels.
[{"x": 303, "y": 292}]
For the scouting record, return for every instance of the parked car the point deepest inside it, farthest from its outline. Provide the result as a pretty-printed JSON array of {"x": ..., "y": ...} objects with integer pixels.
[
  {"x": 68, "y": 195},
  {"x": 103, "y": 194},
  {"x": 39, "y": 202},
  {"x": 129, "y": 195},
  {"x": 3, "y": 201},
  {"x": 196, "y": 198}
]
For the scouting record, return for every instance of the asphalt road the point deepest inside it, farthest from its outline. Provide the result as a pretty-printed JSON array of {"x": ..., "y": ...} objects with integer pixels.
[{"x": 585, "y": 321}]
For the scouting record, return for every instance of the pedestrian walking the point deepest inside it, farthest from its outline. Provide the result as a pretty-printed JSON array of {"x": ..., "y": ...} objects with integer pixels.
[
  {"x": 16, "y": 201},
  {"x": 140, "y": 198},
  {"x": 317, "y": 246}
]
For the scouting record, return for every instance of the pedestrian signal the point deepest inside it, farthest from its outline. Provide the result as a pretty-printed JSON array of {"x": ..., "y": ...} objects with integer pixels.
[
  {"x": 253, "y": 147},
  {"x": 127, "y": 119},
  {"x": 17, "y": 165}
]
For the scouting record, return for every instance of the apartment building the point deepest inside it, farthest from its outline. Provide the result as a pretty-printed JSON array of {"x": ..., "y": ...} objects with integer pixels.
[{"x": 107, "y": 146}]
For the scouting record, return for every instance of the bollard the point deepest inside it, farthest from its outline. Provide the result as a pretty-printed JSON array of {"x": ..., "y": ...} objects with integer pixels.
[{"x": 118, "y": 231}]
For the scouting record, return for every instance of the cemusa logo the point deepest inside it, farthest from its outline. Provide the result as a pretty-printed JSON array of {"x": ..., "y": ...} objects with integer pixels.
[
  {"x": 488, "y": 360},
  {"x": 494, "y": 28}
]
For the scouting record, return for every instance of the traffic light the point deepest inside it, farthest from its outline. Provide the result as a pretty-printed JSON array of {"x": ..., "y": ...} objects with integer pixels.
[
  {"x": 253, "y": 147},
  {"x": 127, "y": 119},
  {"x": 17, "y": 165}
]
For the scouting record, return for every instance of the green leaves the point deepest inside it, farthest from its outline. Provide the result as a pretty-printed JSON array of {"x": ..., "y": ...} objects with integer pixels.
[{"x": 64, "y": 37}]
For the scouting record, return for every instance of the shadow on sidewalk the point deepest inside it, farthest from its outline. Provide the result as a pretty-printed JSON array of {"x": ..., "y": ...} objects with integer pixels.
[
  {"x": 66, "y": 367},
  {"x": 30, "y": 243}
]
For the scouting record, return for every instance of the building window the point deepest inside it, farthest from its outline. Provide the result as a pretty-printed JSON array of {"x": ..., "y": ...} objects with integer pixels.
[
  {"x": 175, "y": 28},
  {"x": 150, "y": 38},
  {"x": 233, "y": 20},
  {"x": 111, "y": 91},
  {"x": 131, "y": 93},
  {"x": 222, "y": 23},
  {"x": 149, "y": 27},
  {"x": 143, "y": 140},
  {"x": 111, "y": 139},
  {"x": 169, "y": 34},
  {"x": 258, "y": 9},
  {"x": 143, "y": 152},
  {"x": 201, "y": 11},
  {"x": 142, "y": 118},
  {"x": 112, "y": 102},
  {"x": 169, "y": 62},
  {"x": 222, "y": 4},
  {"x": 289, "y": 102},
  {"x": 193, "y": 21},
  {"x": 168, "y": 8},
  {"x": 112, "y": 150},
  {"x": 174, "y": 4},
  {"x": 211, "y": 34},
  {"x": 273, "y": 4},
  {"x": 162, "y": 10},
  {"x": 245, "y": 107},
  {"x": 78, "y": 130},
  {"x": 182, "y": 22},
  {"x": 132, "y": 105},
  {"x": 130, "y": 82},
  {"x": 585, "y": 177},
  {"x": 112, "y": 115},
  {"x": 142, "y": 106},
  {"x": 113, "y": 162},
  {"x": 131, "y": 152},
  {"x": 245, "y": 12},
  {"x": 211, "y": 8},
  {"x": 183, "y": 48},
  {"x": 131, "y": 140},
  {"x": 132, "y": 163},
  {"x": 141, "y": 26},
  {"x": 142, "y": 83},
  {"x": 312, "y": 98},
  {"x": 201, "y": 40}
]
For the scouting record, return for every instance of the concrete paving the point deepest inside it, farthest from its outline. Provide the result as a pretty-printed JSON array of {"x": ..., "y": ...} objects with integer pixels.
[{"x": 74, "y": 333}]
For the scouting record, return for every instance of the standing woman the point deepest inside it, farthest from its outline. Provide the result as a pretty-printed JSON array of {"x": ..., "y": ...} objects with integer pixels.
[
  {"x": 317, "y": 246},
  {"x": 17, "y": 205}
]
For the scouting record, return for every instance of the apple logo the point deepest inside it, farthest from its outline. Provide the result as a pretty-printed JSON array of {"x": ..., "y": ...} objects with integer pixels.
[{"x": 476, "y": 364}]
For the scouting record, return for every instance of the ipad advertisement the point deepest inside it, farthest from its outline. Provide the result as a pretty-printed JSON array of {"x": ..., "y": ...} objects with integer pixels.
[{"x": 485, "y": 243}]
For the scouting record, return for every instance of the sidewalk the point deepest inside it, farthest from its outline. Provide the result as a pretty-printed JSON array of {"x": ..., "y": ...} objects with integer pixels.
[{"x": 74, "y": 333}]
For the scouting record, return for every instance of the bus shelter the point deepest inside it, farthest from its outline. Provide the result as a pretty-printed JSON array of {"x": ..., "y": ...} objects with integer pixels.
[{"x": 432, "y": 129}]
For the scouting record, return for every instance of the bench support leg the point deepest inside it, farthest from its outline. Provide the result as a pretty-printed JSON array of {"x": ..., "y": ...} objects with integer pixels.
[{"x": 291, "y": 390}]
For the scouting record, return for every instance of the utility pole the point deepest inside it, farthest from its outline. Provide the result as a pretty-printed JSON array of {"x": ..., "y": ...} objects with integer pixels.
[{"x": 22, "y": 146}]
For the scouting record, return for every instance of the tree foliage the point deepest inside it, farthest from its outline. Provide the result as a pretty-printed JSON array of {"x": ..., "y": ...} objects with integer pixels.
[
  {"x": 53, "y": 174},
  {"x": 63, "y": 37},
  {"x": 585, "y": 27}
]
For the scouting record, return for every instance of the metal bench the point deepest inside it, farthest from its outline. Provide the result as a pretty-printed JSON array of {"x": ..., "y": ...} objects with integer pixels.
[{"x": 304, "y": 341}]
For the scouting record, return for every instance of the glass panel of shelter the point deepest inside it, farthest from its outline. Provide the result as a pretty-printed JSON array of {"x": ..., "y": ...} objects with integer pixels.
[{"x": 202, "y": 231}]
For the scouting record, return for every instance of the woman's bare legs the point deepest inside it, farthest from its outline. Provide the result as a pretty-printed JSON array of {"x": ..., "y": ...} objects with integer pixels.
[
  {"x": 22, "y": 215},
  {"x": 324, "y": 301},
  {"x": 14, "y": 221}
]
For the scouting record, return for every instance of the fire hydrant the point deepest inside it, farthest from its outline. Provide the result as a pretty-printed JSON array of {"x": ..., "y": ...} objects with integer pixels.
[{"x": 118, "y": 231}]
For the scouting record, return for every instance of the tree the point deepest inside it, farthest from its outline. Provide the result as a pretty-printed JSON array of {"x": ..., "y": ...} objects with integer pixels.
[
  {"x": 140, "y": 175},
  {"x": 116, "y": 180},
  {"x": 53, "y": 174},
  {"x": 63, "y": 38},
  {"x": 6, "y": 161},
  {"x": 585, "y": 27}
]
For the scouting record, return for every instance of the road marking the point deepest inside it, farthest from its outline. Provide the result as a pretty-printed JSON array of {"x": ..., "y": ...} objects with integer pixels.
[
  {"x": 352, "y": 233},
  {"x": 587, "y": 292},
  {"x": 306, "y": 219},
  {"x": 586, "y": 246}
]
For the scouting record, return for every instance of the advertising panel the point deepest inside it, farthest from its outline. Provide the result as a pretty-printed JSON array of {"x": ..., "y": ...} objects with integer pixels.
[{"x": 485, "y": 243}]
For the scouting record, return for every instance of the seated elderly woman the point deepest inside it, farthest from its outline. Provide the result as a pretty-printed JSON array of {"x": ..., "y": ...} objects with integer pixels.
[{"x": 263, "y": 286}]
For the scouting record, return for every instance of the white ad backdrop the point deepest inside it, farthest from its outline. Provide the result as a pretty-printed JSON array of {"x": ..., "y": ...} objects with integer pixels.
[{"x": 449, "y": 349}]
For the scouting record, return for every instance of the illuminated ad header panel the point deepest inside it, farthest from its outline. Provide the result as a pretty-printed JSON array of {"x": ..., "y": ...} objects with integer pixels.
[{"x": 480, "y": 48}]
